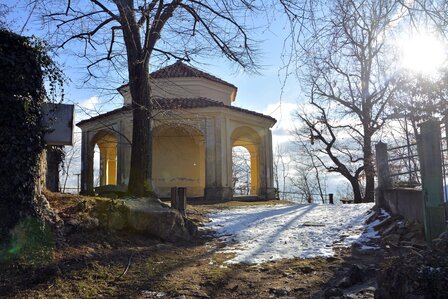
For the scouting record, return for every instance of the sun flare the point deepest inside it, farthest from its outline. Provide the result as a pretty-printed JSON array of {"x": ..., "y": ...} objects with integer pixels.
[{"x": 422, "y": 53}]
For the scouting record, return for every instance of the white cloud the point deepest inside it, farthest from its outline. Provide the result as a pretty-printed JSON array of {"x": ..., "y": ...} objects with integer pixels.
[
  {"x": 87, "y": 106},
  {"x": 283, "y": 112}
]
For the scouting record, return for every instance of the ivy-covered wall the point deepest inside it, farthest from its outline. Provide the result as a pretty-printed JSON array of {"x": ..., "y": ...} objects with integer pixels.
[{"x": 21, "y": 95}]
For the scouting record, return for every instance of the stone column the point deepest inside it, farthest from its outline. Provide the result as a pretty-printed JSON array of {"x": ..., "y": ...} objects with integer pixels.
[
  {"x": 86, "y": 165},
  {"x": 216, "y": 159},
  {"x": 383, "y": 173},
  {"x": 267, "y": 190},
  {"x": 432, "y": 180},
  {"x": 103, "y": 166},
  {"x": 121, "y": 151},
  {"x": 255, "y": 182}
]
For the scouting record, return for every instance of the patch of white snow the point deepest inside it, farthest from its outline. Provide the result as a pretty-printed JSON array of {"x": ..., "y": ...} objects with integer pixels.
[{"x": 264, "y": 233}]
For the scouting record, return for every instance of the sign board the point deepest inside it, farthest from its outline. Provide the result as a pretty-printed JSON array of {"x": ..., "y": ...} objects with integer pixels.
[{"x": 57, "y": 121}]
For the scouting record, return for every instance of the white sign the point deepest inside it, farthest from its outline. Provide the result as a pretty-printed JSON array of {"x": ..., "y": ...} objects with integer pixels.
[{"x": 57, "y": 121}]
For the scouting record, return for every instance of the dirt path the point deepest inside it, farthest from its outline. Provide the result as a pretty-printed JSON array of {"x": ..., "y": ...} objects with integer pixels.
[{"x": 103, "y": 264}]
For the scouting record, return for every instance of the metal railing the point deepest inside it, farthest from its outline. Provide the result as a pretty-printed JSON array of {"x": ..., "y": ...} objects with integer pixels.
[
  {"x": 301, "y": 197},
  {"x": 404, "y": 165}
]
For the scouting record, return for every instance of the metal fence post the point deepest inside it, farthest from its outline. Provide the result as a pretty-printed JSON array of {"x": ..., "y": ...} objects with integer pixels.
[{"x": 432, "y": 181}]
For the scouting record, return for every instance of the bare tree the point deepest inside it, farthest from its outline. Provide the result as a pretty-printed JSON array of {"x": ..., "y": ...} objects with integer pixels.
[
  {"x": 137, "y": 32},
  {"x": 281, "y": 170},
  {"x": 346, "y": 64},
  {"x": 310, "y": 178},
  {"x": 241, "y": 171},
  {"x": 349, "y": 87}
]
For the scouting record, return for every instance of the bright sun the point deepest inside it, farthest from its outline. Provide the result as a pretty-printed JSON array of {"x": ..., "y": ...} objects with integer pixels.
[{"x": 422, "y": 53}]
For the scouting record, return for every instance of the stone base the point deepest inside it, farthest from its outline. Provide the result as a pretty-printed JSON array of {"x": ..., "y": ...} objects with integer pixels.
[
  {"x": 145, "y": 215},
  {"x": 218, "y": 193},
  {"x": 267, "y": 193}
]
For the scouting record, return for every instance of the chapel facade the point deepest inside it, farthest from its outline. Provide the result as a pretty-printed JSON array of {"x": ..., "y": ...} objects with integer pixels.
[{"x": 195, "y": 128}]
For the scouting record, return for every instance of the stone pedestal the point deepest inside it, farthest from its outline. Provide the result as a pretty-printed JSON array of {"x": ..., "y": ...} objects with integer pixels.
[
  {"x": 218, "y": 193},
  {"x": 267, "y": 193}
]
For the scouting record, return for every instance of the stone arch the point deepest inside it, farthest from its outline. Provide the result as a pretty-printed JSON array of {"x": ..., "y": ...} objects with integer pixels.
[
  {"x": 249, "y": 139},
  {"x": 107, "y": 142},
  {"x": 178, "y": 159}
]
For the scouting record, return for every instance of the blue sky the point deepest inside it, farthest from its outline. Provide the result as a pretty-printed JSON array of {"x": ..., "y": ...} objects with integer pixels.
[
  {"x": 264, "y": 92},
  {"x": 261, "y": 92}
]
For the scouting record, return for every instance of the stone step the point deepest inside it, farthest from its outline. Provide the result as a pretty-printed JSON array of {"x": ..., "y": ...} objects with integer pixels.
[{"x": 246, "y": 198}]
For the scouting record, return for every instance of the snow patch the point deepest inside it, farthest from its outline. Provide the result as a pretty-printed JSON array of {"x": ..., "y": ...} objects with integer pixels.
[{"x": 266, "y": 233}]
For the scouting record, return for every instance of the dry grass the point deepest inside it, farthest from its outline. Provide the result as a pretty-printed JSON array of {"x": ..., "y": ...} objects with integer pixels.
[{"x": 93, "y": 263}]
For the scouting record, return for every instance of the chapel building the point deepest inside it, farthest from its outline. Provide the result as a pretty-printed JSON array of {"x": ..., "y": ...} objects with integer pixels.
[{"x": 194, "y": 128}]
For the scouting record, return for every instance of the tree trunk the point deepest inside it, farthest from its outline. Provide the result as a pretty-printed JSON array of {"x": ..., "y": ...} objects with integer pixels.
[
  {"x": 52, "y": 175},
  {"x": 357, "y": 195},
  {"x": 138, "y": 61},
  {"x": 22, "y": 207},
  {"x": 141, "y": 150}
]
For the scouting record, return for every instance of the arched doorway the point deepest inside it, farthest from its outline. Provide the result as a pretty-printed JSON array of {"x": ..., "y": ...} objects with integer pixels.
[
  {"x": 105, "y": 144},
  {"x": 241, "y": 171},
  {"x": 178, "y": 159},
  {"x": 248, "y": 139}
]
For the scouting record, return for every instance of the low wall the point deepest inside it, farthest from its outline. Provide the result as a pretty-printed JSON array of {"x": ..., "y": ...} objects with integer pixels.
[{"x": 405, "y": 202}]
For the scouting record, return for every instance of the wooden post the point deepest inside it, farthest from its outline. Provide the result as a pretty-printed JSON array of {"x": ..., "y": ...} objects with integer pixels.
[
  {"x": 182, "y": 200},
  {"x": 383, "y": 173},
  {"x": 432, "y": 181},
  {"x": 179, "y": 199},
  {"x": 174, "y": 197}
]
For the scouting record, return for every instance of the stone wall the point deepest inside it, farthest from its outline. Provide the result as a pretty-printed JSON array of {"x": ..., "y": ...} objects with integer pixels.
[{"x": 405, "y": 202}]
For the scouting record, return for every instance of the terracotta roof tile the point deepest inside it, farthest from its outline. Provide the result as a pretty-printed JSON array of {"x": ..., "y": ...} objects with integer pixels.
[
  {"x": 180, "y": 69},
  {"x": 178, "y": 103}
]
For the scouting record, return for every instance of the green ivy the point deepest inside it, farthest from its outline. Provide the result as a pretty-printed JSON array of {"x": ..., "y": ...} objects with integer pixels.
[{"x": 25, "y": 66}]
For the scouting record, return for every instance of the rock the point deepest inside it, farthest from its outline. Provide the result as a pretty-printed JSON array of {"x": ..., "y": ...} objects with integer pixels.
[
  {"x": 441, "y": 242},
  {"x": 381, "y": 226},
  {"x": 279, "y": 292},
  {"x": 306, "y": 270},
  {"x": 144, "y": 215},
  {"x": 331, "y": 259},
  {"x": 344, "y": 282},
  {"x": 80, "y": 207},
  {"x": 416, "y": 228},
  {"x": 72, "y": 222},
  {"x": 370, "y": 290},
  {"x": 86, "y": 224},
  {"x": 149, "y": 216},
  {"x": 355, "y": 274},
  {"x": 333, "y": 292},
  {"x": 420, "y": 244},
  {"x": 112, "y": 191},
  {"x": 409, "y": 236},
  {"x": 393, "y": 239},
  {"x": 117, "y": 221},
  {"x": 89, "y": 223},
  {"x": 388, "y": 230}
]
